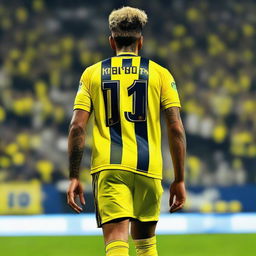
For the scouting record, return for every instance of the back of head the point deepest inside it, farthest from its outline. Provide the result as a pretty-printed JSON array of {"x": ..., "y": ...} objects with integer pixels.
[{"x": 126, "y": 25}]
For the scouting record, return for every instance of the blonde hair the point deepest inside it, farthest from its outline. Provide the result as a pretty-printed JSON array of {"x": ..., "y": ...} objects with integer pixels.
[{"x": 127, "y": 22}]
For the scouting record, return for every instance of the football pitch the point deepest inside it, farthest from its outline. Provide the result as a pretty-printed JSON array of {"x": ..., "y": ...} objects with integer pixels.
[{"x": 192, "y": 245}]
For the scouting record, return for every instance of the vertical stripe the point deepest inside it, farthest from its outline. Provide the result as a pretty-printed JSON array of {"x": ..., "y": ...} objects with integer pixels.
[
  {"x": 95, "y": 179},
  {"x": 116, "y": 144},
  {"x": 127, "y": 62},
  {"x": 105, "y": 76},
  {"x": 141, "y": 127}
]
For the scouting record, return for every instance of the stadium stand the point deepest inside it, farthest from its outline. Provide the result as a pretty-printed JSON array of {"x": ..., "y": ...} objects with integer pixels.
[{"x": 46, "y": 45}]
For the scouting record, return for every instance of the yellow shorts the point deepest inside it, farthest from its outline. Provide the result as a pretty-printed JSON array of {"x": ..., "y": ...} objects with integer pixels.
[{"x": 120, "y": 194}]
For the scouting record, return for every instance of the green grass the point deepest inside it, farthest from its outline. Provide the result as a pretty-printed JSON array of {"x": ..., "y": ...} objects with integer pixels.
[{"x": 178, "y": 245}]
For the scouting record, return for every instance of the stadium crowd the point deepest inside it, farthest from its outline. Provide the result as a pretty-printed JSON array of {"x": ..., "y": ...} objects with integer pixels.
[{"x": 46, "y": 45}]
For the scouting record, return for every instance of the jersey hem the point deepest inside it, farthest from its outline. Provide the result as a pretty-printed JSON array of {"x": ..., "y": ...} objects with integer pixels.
[{"x": 125, "y": 168}]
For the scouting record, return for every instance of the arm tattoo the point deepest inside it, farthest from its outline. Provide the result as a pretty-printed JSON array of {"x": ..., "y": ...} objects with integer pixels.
[
  {"x": 172, "y": 115},
  {"x": 76, "y": 149},
  {"x": 173, "y": 118},
  {"x": 177, "y": 141}
]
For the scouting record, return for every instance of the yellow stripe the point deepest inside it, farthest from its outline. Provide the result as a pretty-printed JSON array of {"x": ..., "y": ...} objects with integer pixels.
[
  {"x": 116, "y": 243},
  {"x": 154, "y": 129},
  {"x": 101, "y": 136},
  {"x": 131, "y": 53}
]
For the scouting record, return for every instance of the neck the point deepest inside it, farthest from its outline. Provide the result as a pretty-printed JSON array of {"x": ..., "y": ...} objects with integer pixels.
[{"x": 118, "y": 51}]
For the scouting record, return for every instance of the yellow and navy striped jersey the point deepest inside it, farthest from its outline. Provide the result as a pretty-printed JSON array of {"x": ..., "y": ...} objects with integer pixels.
[{"x": 126, "y": 94}]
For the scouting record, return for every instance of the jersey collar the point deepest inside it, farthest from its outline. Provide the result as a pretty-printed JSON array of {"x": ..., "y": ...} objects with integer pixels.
[{"x": 126, "y": 54}]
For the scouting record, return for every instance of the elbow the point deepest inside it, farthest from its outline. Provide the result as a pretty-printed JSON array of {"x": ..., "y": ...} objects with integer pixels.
[
  {"x": 76, "y": 128},
  {"x": 176, "y": 129}
]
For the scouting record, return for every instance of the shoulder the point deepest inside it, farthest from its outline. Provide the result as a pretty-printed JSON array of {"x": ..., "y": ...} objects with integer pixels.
[
  {"x": 159, "y": 68},
  {"x": 90, "y": 70},
  {"x": 160, "y": 72}
]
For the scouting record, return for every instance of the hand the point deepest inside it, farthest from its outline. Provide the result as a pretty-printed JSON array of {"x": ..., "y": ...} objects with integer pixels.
[
  {"x": 177, "y": 196},
  {"x": 75, "y": 189}
]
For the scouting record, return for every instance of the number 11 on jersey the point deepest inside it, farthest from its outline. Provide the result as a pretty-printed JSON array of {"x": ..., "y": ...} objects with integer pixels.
[{"x": 111, "y": 94}]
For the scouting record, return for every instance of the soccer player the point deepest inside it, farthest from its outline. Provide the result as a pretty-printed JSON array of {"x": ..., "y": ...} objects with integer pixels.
[{"x": 126, "y": 93}]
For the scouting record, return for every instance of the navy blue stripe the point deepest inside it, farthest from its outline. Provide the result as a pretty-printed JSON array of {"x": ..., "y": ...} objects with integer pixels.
[
  {"x": 143, "y": 75},
  {"x": 105, "y": 76},
  {"x": 116, "y": 147},
  {"x": 105, "y": 65},
  {"x": 95, "y": 179},
  {"x": 141, "y": 127},
  {"x": 127, "y": 62}
]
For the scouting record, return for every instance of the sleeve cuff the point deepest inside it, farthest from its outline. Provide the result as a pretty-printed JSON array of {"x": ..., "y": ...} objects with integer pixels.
[
  {"x": 173, "y": 104},
  {"x": 82, "y": 107}
]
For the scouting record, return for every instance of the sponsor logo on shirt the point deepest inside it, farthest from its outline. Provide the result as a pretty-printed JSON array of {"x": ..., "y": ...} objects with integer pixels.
[{"x": 173, "y": 85}]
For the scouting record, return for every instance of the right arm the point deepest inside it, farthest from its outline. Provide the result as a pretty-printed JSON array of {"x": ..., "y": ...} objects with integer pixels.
[
  {"x": 177, "y": 145},
  {"x": 76, "y": 139}
]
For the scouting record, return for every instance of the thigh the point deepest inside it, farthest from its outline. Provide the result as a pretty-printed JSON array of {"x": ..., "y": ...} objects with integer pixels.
[
  {"x": 113, "y": 196},
  {"x": 117, "y": 229},
  {"x": 147, "y": 198}
]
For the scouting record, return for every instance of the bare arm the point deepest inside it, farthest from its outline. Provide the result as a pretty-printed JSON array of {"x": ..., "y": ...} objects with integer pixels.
[
  {"x": 177, "y": 144},
  {"x": 177, "y": 141},
  {"x": 76, "y": 141}
]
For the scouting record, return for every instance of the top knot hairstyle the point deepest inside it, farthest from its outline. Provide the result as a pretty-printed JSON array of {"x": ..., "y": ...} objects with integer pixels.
[{"x": 127, "y": 22}]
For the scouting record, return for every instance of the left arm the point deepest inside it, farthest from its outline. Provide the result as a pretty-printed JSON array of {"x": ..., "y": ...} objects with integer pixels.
[{"x": 177, "y": 144}]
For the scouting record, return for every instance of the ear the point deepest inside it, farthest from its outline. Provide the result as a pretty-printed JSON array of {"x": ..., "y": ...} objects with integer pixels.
[
  {"x": 140, "y": 43},
  {"x": 112, "y": 43}
]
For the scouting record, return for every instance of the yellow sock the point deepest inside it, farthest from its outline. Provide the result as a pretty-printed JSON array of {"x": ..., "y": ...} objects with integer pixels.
[
  {"x": 146, "y": 247},
  {"x": 117, "y": 248}
]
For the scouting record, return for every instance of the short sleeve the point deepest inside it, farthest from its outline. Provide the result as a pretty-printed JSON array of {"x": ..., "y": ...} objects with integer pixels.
[
  {"x": 169, "y": 93},
  {"x": 83, "y": 98}
]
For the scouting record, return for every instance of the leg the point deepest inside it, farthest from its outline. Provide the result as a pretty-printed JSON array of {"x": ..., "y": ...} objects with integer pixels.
[
  {"x": 143, "y": 234},
  {"x": 142, "y": 230},
  {"x": 116, "y": 230},
  {"x": 116, "y": 237},
  {"x": 147, "y": 200},
  {"x": 114, "y": 208}
]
